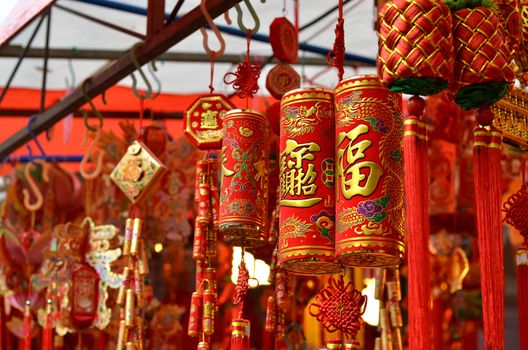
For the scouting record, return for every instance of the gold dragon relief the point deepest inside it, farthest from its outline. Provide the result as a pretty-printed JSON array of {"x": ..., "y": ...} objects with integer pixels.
[
  {"x": 301, "y": 120},
  {"x": 353, "y": 107}
]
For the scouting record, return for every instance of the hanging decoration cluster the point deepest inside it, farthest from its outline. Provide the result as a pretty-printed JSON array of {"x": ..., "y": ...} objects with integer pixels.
[
  {"x": 135, "y": 174},
  {"x": 425, "y": 47}
]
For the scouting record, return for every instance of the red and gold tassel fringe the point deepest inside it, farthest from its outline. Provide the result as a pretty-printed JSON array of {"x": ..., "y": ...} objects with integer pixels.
[
  {"x": 418, "y": 230},
  {"x": 487, "y": 173}
]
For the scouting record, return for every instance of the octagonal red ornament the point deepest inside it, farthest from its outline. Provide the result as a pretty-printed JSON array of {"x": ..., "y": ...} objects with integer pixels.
[
  {"x": 284, "y": 40},
  {"x": 203, "y": 121},
  {"x": 281, "y": 79}
]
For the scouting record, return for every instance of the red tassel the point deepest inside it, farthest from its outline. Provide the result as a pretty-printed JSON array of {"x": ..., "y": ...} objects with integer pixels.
[
  {"x": 418, "y": 230},
  {"x": 240, "y": 335},
  {"x": 522, "y": 296},
  {"x": 487, "y": 173}
]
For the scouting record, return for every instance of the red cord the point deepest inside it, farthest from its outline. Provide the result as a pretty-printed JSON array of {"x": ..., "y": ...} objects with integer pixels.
[
  {"x": 211, "y": 88},
  {"x": 141, "y": 112}
]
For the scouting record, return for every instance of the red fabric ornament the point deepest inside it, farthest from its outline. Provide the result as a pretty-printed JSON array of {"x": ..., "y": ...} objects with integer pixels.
[
  {"x": 203, "y": 121},
  {"x": 307, "y": 214},
  {"x": 281, "y": 79},
  {"x": 369, "y": 174},
  {"x": 155, "y": 138},
  {"x": 339, "y": 307},
  {"x": 284, "y": 40}
]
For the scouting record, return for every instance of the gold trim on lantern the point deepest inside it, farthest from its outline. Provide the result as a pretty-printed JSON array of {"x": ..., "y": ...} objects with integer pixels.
[{"x": 307, "y": 94}]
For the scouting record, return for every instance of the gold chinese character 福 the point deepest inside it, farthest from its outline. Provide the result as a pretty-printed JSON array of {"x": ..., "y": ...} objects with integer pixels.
[{"x": 354, "y": 181}]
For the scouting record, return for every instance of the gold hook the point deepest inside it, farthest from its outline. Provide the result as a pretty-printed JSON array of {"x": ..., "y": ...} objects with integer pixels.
[
  {"x": 34, "y": 187},
  {"x": 98, "y": 159},
  {"x": 220, "y": 51}
]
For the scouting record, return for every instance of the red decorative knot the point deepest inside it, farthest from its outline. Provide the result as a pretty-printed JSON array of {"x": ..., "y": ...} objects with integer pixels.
[
  {"x": 242, "y": 286},
  {"x": 516, "y": 208},
  {"x": 339, "y": 307},
  {"x": 245, "y": 79},
  {"x": 336, "y": 57}
]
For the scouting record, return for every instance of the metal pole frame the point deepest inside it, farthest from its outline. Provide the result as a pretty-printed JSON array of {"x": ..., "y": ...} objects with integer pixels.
[{"x": 117, "y": 70}]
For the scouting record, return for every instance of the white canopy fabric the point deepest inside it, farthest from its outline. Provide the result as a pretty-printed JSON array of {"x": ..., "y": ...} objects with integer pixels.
[{"x": 70, "y": 31}]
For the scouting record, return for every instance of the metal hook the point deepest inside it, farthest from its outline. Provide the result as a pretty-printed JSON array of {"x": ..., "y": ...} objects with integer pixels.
[
  {"x": 34, "y": 138},
  {"x": 34, "y": 187},
  {"x": 253, "y": 15},
  {"x": 152, "y": 70},
  {"x": 94, "y": 109},
  {"x": 98, "y": 159},
  {"x": 205, "y": 40},
  {"x": 148, "y": 93}
]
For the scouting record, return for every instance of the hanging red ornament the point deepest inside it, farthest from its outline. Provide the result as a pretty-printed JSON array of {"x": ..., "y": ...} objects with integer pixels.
[
  {"x": 281, "y": 79},
  {"x": 137, "y": 172},
  {"x": 483, "y": 72},
  {"x": 245, "y": 79},
  {"x": 244, "y": 185},
  {"x": 284, "y": 40},
  {"x": 369, "y": 174},
  {"x": 339, "y": 307},
  {"x": 307, "y": 195},
  {"x": 203, "y": 121},
  {"x": 85, "y": 294}
]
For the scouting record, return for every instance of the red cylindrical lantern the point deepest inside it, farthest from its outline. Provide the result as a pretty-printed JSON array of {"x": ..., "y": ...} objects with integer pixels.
[
  {"x": 369, "y": 178},
  {"x": 244, "y": 187},
  {"x": 307, "y": 215}
]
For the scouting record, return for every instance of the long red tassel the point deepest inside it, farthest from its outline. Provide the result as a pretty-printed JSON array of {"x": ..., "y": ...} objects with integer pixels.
[
  {"x": 487, "y": 174},
  {"x": 522, "y": 296},
  {"x": 418, "y": 230}
]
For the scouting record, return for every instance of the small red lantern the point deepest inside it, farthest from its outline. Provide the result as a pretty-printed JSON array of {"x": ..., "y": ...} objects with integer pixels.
[
  {"x": 203, "y": 121},
  {"x": 369, "y": 174},
  {"x": 244, "y": 185},
  {"x": 85, "y": 293},
  {"x": 306, "y": 160}
]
